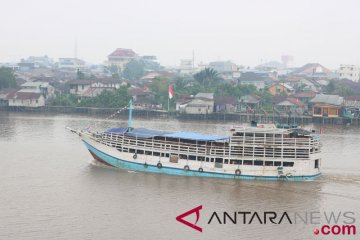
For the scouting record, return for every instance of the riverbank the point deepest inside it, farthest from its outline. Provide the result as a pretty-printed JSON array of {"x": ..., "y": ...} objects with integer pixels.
[{"x": 223, "y": 117}]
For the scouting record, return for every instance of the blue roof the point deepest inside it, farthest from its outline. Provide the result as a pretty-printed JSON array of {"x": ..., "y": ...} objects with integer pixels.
[
  {"x": 145, "y": 133},
  {"x": 149, "y": 133},
  {"x": 117, "y": 130},
  {"x": 196, "y": 136}
]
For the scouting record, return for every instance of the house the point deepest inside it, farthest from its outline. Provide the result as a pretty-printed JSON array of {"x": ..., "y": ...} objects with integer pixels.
[
  {"x": 351, "y": 107},
  {"x": 326, "y": 105},
  {"x": 120, "y": 57},
  {"x": 181, "y": 102},
  {"x": 71, "y": 63},
  {"x": 249, "y": 102},
  {"x": 93, "y": 87},
  {"x": 304, "y": 97},
  {"x": 202, "y": 103},
  {"x": 280, "y": 88},
  {"x": 290, "y": 105},
  {"x": 351, "y": 72},
  {"x": 251, "y": 78},
  {"x": 26, "y": 99},
  {"x": 225, "y": 104},
  {"x": 313, "y": 70},
  {"x": 38, "y": 87},
  {"x": 79, "y": 87},
  {"x": 139, "y": 94}
]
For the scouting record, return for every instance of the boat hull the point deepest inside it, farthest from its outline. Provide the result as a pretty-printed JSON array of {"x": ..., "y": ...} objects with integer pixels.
[{"x": 129, "y": 164}]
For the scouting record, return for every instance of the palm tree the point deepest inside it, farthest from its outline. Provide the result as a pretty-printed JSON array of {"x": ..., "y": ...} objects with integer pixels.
[{"x": 206, "y": 77}]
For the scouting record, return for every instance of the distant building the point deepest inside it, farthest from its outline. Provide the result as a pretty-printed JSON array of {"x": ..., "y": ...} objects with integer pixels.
[
  {"x": 304, "y": 97},
  {"x": 291, "y": 105},
  {"x": 351, "y": 72},
  {"x": 202, "y": 103},
  {"x": 313, "y": 70},
  {"x": 186, "y": 66},
  {"x": 251, "y": 78},
  {"x": 326, "y": 105},
  {"x": 38, "y": 87},
  {"x": 280, "y": 88},
  {"x": 120, "y": 57},
  {"x": 93, "y": 87},
  {"x": 225, "y": 104},
  {"x": 71, "y": 63},
  {"x": 26, "y": 99},
  {"x": 249, "y": 102},
  {"x": 40, "y": 61}
]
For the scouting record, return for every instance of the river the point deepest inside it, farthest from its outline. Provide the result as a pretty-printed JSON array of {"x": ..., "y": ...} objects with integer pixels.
[{"x": 50, "y": 188}]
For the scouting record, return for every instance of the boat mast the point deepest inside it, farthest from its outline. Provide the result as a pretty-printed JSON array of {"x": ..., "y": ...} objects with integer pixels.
[{"x": 130, "y": 114}]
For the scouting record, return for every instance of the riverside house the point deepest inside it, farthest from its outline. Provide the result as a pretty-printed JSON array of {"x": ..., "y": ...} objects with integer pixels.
[
  {"x": 202, "y": 103},
  {"x": 326, "y": 105}
]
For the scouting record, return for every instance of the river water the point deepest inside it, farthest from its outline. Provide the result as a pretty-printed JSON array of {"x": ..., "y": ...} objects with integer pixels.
[{"x": 49, "y": 188}]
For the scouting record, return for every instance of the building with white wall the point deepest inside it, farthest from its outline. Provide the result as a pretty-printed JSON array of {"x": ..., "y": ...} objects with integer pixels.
[{"x": 351, "y": 72}]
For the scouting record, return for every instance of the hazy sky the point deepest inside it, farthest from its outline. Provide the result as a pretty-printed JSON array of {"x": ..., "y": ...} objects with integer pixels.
[{"x": 245, "y": 32}]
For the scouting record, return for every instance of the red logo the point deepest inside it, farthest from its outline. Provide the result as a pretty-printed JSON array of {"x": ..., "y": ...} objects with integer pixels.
[{"x": 196, "y": 210}]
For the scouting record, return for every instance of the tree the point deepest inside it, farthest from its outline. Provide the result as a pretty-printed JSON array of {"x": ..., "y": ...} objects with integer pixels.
[
  {"x": 207, "y": 77},
  {"x": 108, "y": 99},
  {"x": 7, "y": 78},
  {"x": 80, "y": 74},
  {"x": 331, "y": 87},
  {"x": 133, "y": 70}
]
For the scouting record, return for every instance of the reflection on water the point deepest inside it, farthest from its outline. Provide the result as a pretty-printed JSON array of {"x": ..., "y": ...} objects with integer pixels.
[{"x": 50, "y": 189}]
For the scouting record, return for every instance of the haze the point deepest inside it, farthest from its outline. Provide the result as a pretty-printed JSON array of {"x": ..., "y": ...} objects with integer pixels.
[{"x": 246, "y": 32}]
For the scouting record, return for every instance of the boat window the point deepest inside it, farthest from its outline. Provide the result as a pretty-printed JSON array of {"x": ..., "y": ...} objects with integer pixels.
[
  {"x": 132, "y": 150},
  {"x": 258, "y": 163},
  {"x": 207, "y": 159},
  {"x": 236, "y": 162},
  {"x": 249, "y": 134},
  {"x": 277, "y": 163},
  {"x": 269, "y": 163},
  {"x": 140, "y": 151},
  {"x": 182, "y": 156},
  {"x": 248, "y": 162},
  {"x": 192, "y": 157},
  {"x": 212, "y": 159},
  {"x": 167, "y": 155},
  {"x": 201, "y": 159},
  {"x": 218, "y": 160},
  {"x": 288, "y": 164},
  {"x": 226, "y": 161},
  {"x": 317, "y": 163},
  {"x": 156, "y": 154},
  {"x": 125, "y": 150},
  {"x": 148, "y": 153}
]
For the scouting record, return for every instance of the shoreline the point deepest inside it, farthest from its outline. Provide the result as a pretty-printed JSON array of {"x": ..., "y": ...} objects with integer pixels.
[{"x": 213, "y": 117}]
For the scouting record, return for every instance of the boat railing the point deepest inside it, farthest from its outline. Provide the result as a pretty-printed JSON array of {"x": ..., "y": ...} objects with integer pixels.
[{"x": 287, "y": 148}]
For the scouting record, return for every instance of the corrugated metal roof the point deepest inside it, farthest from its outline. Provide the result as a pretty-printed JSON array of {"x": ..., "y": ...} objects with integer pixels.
[
  {"x": 196, "y": 136},
  {"x": 328, "y": 99}
]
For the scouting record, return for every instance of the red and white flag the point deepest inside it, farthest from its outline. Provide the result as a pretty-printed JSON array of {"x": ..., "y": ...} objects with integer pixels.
[{"x": 171, "y": 92}]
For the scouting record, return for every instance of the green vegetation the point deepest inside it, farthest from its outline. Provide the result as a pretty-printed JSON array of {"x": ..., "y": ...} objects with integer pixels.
[
  {"x": 67, "y": 99},
  {"x": 107, "y": 99},
  {"x": 7, "y": 78}
]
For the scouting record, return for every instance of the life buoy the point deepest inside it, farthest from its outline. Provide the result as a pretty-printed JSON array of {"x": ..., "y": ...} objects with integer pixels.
[
  {"x": 159, "y": 165},
  {"x": 237, "y": 172},
  {"x": 201, "y": 170},
  {"x": 135, "y": 156},
  {"x": 186, "y": 167}
]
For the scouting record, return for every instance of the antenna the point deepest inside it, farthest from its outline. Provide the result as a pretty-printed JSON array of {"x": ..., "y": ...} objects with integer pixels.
[
  {"x": 193, "y": 59},
  {"x": 75, "y": 49}
]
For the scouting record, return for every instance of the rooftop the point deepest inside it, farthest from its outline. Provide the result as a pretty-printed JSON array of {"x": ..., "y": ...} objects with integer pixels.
[
  {"x": 328, "y": 99},
  {"x": 123, "y": 52}
]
